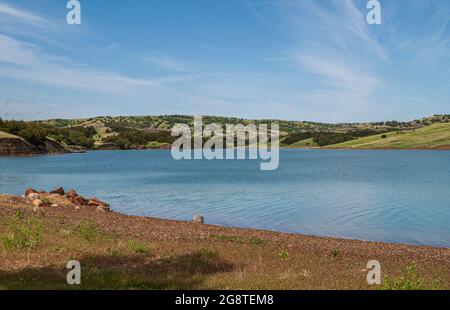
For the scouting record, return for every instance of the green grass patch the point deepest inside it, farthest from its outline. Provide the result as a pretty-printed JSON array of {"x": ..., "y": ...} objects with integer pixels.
[
  {"x": 408, "y": 281},
  {"x": 5, "y": 135},
  {"x": 22, "y": 232},
  {"x": 284, "y": 255},
  {"x": 138, "y": 247},
  {"x": 432, "y": 136},
  {"x": 88, "y": 231}
]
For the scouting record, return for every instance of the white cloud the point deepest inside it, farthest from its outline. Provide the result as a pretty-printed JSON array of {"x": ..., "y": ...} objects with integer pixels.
[
  {"x": 22, "y": 16},
  {"x": 256, "y": 12},
  {"x": 24, "y": 61},
  {"x": 167, "y": 63}
]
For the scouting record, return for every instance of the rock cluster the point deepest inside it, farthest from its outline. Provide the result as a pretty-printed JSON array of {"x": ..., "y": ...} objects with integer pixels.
[{"x": 43, "y": 199}]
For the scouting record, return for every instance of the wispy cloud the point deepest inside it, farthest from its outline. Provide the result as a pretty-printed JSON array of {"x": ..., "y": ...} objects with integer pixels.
[
  {"x": 24, "y": 61},
  {"x": 338, "y": 52},
  {"x": 19, "y": 15},
  {"x": 167, "y": 63},
  {"x": 252, "y": 7}
]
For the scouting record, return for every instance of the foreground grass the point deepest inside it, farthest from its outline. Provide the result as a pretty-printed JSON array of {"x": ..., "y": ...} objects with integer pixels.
[
  {"x": 120, "y": 252},
  {"x": 433, "y": 136}
]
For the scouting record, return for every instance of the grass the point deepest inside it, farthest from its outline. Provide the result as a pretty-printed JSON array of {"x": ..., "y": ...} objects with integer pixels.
[
  {"x": 22, "y": 233},
  {"x": 284, "y": 255},
  {"x": 433, "y": 136},
  {"x": 5, "y": 135},
  {"x": 409, "y": 280},
  {"x": 336, "y": 254},
  {"x": 138, "y": 247},
  {"x": 88, "y": 231},
  {"x": 305, "y": 143}
]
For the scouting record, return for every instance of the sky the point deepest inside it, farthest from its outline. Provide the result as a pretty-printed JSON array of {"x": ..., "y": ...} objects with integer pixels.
[{"x": 315, "y": 60}]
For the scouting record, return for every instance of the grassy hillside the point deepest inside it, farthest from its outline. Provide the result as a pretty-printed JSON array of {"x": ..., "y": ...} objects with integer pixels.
[
  {"x": 140, "y": 132},
  {"x": 435, "y": 136},
  {"x": 305, "y": 143},
  {"x": 5, "y": 135}
]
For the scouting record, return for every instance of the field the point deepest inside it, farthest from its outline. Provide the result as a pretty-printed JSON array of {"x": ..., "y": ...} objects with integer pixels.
[
  {"x": 5, "y": 135},
  {"x": 125, "y": 252},
  {"x": 304, "y": 143},
  {"x": 436, "y": 136}
]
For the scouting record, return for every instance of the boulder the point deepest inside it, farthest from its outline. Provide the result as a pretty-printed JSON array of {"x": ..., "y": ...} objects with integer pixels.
[
  {"x": 94, "y": 202},
  {"x": 79, "y": 200},
  {"x": 33, "y": 196},
  {"x": 199, "y": 219},
  {"x": 59, "y": 191},
  {"x": 71, "y": 194},
  {"x": 38, "y": 203},
  {"x": 30, "y": 191}
]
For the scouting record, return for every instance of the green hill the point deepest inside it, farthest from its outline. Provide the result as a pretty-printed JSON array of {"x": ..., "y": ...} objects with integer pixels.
[
  {"x": 436, "y": 136},
  {"x": 5, "y": 135},
  {"x": 138, "y": 132}
]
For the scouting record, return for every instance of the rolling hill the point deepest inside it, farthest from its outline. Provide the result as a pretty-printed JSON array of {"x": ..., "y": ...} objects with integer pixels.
[
  {"x": 436, "y": 136},
  {"x": 149, "y": 132}
]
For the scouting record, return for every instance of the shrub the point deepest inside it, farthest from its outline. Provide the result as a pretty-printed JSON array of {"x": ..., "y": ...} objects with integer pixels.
[
  {"x": 284, "y": 254},
  {"x": 408, "y": 281},
  {"x": 22, "y": 233},
  {"x": 88, "y": 231},
  {"x": 138, "y": 247}
]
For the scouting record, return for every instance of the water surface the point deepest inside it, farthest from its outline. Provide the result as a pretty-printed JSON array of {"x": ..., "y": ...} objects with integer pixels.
[{"x": 391, "y": 196}]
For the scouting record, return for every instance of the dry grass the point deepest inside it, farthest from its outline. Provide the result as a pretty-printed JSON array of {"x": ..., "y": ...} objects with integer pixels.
[
  {"x": 125, "y": 252},
  {"x": 5, "y": 135},
  {"x": 435, "y": 136}
]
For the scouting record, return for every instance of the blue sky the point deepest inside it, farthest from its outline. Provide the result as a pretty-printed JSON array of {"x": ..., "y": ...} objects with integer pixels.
[{"x": 289, "y": 59}]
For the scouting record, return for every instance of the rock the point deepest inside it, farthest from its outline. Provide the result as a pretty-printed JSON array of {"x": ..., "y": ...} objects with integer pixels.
[
  {"x": 79, "y": 200},
  {"x": 103, "y": 209},
  {"x": 77, "y": 208},
  {"x": 54, "y": 205},
  {"x": 94, "y": 202},
  {"x": 59, "y": 191},
  {"x": 199, "y": 219},
  {"x": 38, "y": 203},
  {"x": 71, "y": 194},
  {"x": 30, "y": 191},
  {"x": 33, "y": 196}
]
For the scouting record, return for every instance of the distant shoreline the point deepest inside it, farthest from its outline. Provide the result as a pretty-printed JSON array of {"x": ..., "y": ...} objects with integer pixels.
[{"x": 281, "y": 147}]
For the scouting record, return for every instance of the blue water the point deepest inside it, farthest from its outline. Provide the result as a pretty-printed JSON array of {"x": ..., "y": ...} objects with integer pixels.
[{"x": 392, "y": 196}]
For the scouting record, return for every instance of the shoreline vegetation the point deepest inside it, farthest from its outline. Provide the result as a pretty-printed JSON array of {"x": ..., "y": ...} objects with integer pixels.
[
  {"x": 41, "y": 232},
  {"x": 154, "y": 132}
]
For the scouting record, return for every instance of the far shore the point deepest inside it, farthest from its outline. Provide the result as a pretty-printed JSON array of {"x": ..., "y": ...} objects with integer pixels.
[
  {"x": 118, "y": 251},
  {"x": 446, "y": 148}
]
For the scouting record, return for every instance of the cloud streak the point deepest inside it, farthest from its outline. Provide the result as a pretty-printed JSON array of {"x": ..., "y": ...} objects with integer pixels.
[
  {"x": 24, "y": 61},
  {"x": 19, "y": 15}
]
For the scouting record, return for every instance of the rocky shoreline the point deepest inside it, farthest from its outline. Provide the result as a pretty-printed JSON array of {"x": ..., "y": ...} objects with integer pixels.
[{"x": 57, "y": 197}]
